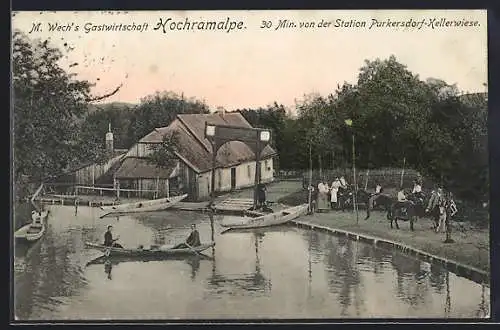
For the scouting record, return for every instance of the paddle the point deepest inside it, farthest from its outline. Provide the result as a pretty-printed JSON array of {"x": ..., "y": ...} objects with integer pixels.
[{"x": 189, "y": 246}]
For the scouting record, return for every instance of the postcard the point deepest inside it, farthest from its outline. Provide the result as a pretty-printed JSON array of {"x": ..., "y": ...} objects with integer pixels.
[{"x": 240, "y": 165}]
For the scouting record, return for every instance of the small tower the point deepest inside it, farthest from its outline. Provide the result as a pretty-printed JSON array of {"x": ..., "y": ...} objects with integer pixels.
[{"x": 109, "y": 141}]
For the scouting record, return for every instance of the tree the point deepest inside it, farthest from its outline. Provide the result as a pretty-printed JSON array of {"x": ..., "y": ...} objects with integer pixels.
[
  {"x": 159, "y": 110},
  {"x": 48, "y": 103},
  {"x": 163, "y": 155}
]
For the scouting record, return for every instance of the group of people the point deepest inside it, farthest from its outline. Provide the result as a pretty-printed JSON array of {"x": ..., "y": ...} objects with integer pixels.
[
  {"x": 319, "y": 195},
  {"x": 440, "y": 206}
]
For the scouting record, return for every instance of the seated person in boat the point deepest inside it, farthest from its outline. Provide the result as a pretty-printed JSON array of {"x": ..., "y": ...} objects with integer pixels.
[
  {"x": 108, "y": 239},
  {"x": 192, "y": 240}
]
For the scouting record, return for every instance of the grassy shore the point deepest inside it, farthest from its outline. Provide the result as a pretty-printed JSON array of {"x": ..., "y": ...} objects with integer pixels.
[{"x": 471, "y": 245}]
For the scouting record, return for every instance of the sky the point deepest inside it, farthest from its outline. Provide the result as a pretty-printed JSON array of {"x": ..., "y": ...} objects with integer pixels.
[{"x": 253, "y": 66}]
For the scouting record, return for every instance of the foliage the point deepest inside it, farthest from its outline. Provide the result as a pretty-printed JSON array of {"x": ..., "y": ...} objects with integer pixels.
[
  {"x": 46, "y": 102},
  {"x": 159, "y": 110},
  {"x": 397, "y": 116},
  {"x": 163, "y": 154},
  {"x": 131, "y": 123}
]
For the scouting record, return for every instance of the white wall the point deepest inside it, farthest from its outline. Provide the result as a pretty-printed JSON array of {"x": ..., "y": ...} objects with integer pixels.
[{"x": 245, "y": 177}]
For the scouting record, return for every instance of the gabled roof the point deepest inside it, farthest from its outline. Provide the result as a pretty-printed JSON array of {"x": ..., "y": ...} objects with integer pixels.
[
  {"x": 140, "y": 168},
  {"x": 196, "y": 151}
]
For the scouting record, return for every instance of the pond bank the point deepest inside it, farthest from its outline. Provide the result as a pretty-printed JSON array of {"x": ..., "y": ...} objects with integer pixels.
[{"x": 470, "y": 248}]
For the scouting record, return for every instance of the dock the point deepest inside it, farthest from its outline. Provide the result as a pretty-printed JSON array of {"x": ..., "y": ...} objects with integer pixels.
[{"x": 234, "y": 204}]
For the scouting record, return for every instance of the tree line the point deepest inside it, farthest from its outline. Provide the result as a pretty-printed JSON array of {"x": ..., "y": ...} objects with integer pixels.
[{"x": 395, "y": 116}]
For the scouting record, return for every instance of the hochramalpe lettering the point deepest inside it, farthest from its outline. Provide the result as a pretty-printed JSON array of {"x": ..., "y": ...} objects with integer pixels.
[{"x": 226, "y": 25}]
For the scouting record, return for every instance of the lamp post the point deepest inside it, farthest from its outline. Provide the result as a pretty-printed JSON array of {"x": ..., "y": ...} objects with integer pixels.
[
  {"x": 348, "y": 122},
  {"x": 210, "y": 132},
  {"x": 257, "y": 139},
  {"x": 263, "y": 137}
]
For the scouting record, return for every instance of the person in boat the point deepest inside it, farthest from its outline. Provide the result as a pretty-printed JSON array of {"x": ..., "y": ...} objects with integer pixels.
[
  {"x": 192, "y": 240},
  {"x": 334, "y": 190},
  {"x": 108, "y": 239}
]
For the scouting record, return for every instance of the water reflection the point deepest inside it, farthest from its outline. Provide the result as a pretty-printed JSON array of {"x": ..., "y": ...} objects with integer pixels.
[
  {"x": 253, "y": 282},
  {"x": 281, "y": 272}
]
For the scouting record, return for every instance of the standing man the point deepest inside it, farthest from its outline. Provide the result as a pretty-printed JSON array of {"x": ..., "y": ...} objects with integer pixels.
[
  {"x": 313, "y": 195},
  {"x": 451, "y": 210},
  {"x": 262, "y": 196},
  {"x": 435, "y": 201},
  {"x": 76, "y": 206}
]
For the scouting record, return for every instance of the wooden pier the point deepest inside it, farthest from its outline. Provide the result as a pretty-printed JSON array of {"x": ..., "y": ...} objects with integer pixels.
[
  {"x": 71, "y": 201},
  {"x": 234, "y": 204}
]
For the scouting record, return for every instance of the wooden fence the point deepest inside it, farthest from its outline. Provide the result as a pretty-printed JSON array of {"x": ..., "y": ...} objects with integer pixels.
[{"x": 387, "y": 177}]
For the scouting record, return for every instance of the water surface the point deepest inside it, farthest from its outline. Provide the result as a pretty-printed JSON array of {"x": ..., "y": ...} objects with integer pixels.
[{"x": 282, "y": 272}]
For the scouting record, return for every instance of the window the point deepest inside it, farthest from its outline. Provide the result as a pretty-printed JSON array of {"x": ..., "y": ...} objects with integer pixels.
[
  {"x": 249, "y": 171},
  {"x": 220, "y": 178},
  {"x": 266, "y": 164}
]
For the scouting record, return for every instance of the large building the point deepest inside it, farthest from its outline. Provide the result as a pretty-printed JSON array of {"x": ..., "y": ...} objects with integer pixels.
[{"x": 235, "y": 161}]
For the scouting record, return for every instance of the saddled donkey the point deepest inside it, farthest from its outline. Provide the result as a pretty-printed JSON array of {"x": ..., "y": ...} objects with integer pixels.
[
  {"x": 378, "y": 201},
  {"x": 344, "y": 198},
  {"x": 410, "y": 212}
]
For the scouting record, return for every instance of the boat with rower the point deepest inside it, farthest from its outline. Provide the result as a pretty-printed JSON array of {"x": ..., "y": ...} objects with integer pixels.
[
  {"x": 272, "y": 219},
  {"x": 153, "y": 251},
  {"x": 34, "y": 230},
  {"x": 143, "y": 206}
]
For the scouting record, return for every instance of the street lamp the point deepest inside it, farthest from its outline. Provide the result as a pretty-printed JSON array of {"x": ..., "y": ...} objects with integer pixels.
[
  {"x": 210, "y": 132},
  {"x": 264, "y": 136},
  {"x": 348, "y": 122}
]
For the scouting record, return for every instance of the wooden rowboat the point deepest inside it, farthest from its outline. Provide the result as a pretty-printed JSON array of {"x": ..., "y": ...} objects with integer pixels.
[
  {"x": 150, "y": 252},
  {"x": 117, "y": 259},
  {"x": 33, "y": 231},
  {"x": 272, "y": 219},
  {"x": 144, "y": 206}
]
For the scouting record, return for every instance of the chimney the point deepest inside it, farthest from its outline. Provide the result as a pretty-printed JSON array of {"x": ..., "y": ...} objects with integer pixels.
[
  {"x": 221, "y": 111},
  {"x": 109, "y": 141}
]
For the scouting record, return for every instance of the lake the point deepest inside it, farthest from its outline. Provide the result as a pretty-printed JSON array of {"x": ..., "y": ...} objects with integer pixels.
[{"x": 281, "y": 272}]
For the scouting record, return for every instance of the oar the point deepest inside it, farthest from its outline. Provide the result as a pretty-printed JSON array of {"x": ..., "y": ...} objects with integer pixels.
[{"x": 189, "y": 246}]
